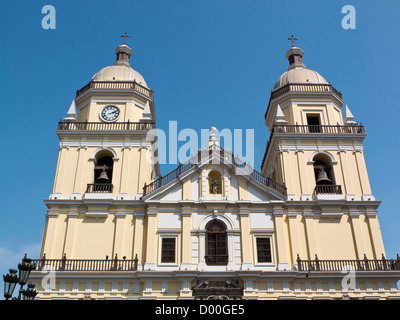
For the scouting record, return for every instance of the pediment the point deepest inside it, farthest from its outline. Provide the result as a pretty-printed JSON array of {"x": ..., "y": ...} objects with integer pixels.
[{"x": 213, "y": 179}]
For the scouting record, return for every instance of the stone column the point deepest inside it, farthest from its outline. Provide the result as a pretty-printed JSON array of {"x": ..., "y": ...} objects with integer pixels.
[
  {"x": 281, "y": 239},
  {"x": 247, "y": 247},
  {"x": 186, "y": 239},
  {"x": 294, "y": 235},
  {"x": 151, "y": 242},
  {"x": 138, "y": 246},
  {"x": 119, "y": 233},
  {"x": 79, "y": 187},
  {"x": 185, "y": 291},
  {"x": 70, "y": 234},
  {"x": 202, "y": 251},
  {"x": 125, "y": 177},
  {"x": 310, "y": 233},
  {"x": 375, "y": 230},
  {"x": 52, "y": 217},
  {"x": 357, "y": 231}
]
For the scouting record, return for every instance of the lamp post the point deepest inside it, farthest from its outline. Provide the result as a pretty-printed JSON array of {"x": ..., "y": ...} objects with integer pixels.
[{"x": 11, "y": 280}]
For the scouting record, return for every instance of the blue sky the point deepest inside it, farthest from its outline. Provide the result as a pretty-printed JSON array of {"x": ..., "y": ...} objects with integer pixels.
[{"x": 210, "y": 63}]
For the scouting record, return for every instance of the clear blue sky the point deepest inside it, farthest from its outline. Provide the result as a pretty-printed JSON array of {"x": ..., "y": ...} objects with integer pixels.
[{"x": 210, "y": 63}]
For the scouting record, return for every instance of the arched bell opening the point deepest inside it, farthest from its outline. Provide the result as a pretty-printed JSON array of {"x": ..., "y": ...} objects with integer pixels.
[
  {"x": 103, "y": 172},
  {"x": 324, "y": 175},
  {"x": 323, "y": 170}
]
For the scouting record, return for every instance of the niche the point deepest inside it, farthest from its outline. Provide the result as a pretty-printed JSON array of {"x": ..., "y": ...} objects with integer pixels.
[{"x": 215, "y": 182}]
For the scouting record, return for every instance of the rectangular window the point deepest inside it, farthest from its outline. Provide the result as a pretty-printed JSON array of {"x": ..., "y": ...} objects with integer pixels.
[
  {"x": 264, "y": 250},
  {"x": 168, "y": 250},
  {"x": 313, "y": 122}
]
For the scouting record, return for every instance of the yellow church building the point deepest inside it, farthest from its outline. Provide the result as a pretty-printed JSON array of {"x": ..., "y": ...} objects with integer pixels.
[{"x": 305, "y": 227}]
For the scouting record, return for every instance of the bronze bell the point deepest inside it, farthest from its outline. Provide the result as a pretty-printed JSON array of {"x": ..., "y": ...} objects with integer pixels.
[
  {"x": 323, "y": 177},
  {"x": 103, "y": 177}
]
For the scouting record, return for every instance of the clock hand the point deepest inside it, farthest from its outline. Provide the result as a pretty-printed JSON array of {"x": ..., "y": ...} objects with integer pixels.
[{"x": 110, "y": 112}]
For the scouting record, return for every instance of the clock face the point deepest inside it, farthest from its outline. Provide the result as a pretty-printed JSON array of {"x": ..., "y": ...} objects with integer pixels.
[{"x": 110, "y": 113}]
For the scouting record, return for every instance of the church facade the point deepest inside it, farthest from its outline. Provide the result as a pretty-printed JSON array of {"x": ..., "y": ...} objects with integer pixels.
[{"x": 305, "y": 227}]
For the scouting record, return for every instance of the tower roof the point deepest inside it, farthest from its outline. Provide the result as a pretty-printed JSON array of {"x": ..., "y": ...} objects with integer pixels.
[
  {"x": 121, "y": 70},
  {"x": 297, "y": 71}
]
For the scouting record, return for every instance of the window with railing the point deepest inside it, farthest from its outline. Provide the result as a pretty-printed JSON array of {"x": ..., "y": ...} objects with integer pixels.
[{"x": 216, "y": 243}]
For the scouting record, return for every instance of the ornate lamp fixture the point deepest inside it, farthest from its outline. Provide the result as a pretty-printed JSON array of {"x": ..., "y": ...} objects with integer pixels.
[{"x": 11, "y": 280}]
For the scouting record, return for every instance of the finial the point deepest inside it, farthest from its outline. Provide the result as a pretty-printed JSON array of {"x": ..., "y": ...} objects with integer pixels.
[
  {"x": 126, "y": 36},
  {"x": 292, "y": 38},
  {"x": 294, "y": 55},
  {"x": 146, "y": 115},
  {"x": 280, "y": 116},
  {"x": 348, "y": 117},
  {"x": 213, "y": 137},
  {"x": 123, "y": 53},
  {"x": 71, "y": 112}
]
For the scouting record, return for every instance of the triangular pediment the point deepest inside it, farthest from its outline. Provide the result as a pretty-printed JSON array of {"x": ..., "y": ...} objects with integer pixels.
[{"x": 214, "y": 175}]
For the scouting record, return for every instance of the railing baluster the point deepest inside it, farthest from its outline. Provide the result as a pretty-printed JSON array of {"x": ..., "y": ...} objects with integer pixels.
[{"x": 104, "y": 126}]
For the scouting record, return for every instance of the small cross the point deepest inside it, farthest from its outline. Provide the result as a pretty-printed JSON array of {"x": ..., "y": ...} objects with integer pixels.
[
  {"x": 292, "y": 38},
  {"x": 125, "y": 36}
]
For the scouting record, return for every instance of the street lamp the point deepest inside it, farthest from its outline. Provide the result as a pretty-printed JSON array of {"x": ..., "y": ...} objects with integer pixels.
[
  {"x": 11, "y": 280},
  {"x": 30, "y": 293}
]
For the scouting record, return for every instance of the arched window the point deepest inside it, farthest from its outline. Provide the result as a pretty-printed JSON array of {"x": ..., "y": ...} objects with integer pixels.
[{"x": 216, "y": 243}]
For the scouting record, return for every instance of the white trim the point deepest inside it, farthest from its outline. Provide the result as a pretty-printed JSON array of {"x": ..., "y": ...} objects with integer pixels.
[
  {"x": 229, "y": 224},
  {"x": 104, "y": 144},
  {"x": 304, "y": 113},
  {"x": 202, "y": 266},
  {"x": 327, "y": 153},
  {"x": 93, "y": 156},
  {"x": 111, "y": 101},
  {"x": 175, "y": 236},
  {"x": 110, "y": 105},
  {"x": 255, "y": 253}
]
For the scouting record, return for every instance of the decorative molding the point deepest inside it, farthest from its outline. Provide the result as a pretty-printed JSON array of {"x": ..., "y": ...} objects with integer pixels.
[{"x": 93, "y": 155}]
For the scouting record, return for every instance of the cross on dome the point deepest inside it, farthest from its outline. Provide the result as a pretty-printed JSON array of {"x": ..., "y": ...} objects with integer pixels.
[
  {"x": 292, "y": 38},
  {"x": 125, "y": 36}
]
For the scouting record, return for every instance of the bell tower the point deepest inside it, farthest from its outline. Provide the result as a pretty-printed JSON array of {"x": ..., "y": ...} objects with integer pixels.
[
  {"x": 105, "y": 159},
  {"x": 312, "y": 149},
  {"x": 317, "y": 153}
]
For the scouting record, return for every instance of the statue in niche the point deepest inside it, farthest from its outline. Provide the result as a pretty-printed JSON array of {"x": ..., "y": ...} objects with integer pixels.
[{"x": 215, "y": 186}]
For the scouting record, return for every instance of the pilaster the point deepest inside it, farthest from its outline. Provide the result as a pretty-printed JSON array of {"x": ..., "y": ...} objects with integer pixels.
[
  {"x": 70, "y": 234},
  {"x": 247, "y": 247},
  {"x": 119, "y": 233},
  {"x": 186, "y": 216},
  {"x": 151, "y": 242},
  {"x": 310, "y": 232},
  {"x": 138, "y": 236},
  {"x": 281, "y": 239}
]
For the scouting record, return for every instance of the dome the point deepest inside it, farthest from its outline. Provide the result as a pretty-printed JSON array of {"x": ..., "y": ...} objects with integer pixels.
[
  {"x": 299, "y": 75},
  {"x": 297, "y": 71},
  {"x": 121, "y": 69},
  {"x": 119, "y": 73}
]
